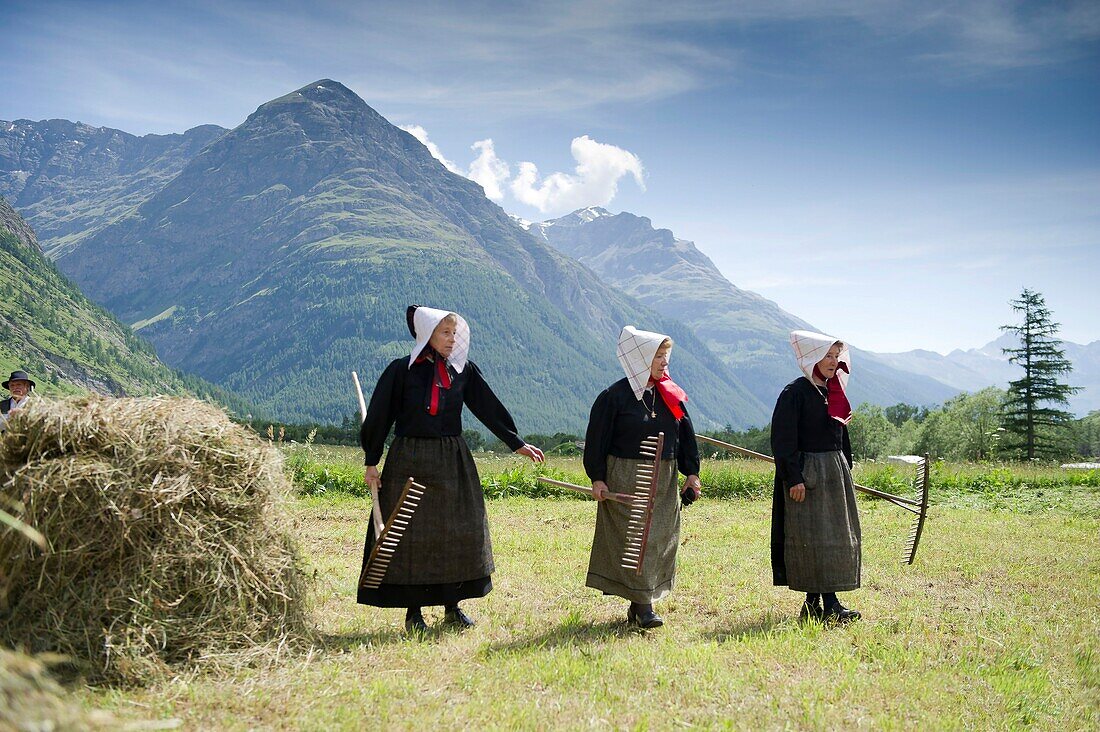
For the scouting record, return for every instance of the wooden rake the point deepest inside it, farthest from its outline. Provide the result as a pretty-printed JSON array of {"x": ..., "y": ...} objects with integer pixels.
[
  {"x": 919, "y": 507},
  {"x": 390, "y": 535},
  {"x": 639, "y": 500},
  {"x": 387, "y": 534}
]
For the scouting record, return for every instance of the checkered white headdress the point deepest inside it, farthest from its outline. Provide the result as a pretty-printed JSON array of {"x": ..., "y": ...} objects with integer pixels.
[
  {"x": 425, "y": 320},
  {"x": 810, "y": 347},
  {"x": 636, "y": 351}
]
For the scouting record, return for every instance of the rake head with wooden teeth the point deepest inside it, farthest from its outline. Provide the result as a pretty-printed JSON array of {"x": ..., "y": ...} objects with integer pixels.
[
  {"x": 644, "y": 493},
  {"x": 390, "y": 537}
]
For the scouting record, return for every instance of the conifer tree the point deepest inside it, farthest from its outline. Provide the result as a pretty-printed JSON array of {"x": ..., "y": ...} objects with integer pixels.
[{"x": 1029, "y": 411}]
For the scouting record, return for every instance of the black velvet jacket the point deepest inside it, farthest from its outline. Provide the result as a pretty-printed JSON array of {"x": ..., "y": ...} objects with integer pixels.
[
  {"x": 619, "y": 422},
  {"x": 801, "y": 423},
  {"x": 403, "y": 395}
]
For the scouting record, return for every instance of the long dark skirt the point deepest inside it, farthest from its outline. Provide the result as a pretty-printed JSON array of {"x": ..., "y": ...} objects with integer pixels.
[
  {"x": 445, "y": 554},
  {"x": 822, "y": 541},
  {"x": 659, "y": 568}
]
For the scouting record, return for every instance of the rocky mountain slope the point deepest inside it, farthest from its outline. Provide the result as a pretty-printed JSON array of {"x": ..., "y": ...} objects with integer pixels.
[
  {"x": 65, "y": 342},
  {"x": 282, "y": 256},
  {"x": 748, "y": 331}
]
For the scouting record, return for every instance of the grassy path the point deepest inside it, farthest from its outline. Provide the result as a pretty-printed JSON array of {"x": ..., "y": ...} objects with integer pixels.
[{"x": 996, "y": 626}]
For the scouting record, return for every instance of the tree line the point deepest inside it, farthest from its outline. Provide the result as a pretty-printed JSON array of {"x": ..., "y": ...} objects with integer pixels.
[{"x": 1021, "y": 422}]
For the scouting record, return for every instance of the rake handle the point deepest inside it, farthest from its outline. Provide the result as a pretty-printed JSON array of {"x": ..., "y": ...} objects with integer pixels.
[
  {"x": 376, "y": 510},
  {"x": 620, "y": 497},
  {"x": 896, "y": 500}
]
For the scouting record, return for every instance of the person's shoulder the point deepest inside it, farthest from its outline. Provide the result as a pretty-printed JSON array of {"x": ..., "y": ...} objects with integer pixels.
[
  {"x": 622, "y": 386},
  {"x": 619, "y": 391},
  {"x": 793, "y": 389}
]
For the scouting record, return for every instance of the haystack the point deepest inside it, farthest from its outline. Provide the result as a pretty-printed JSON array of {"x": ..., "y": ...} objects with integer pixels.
[
  {"x": 167, "y": 544},
  {"x": 31, "y": 700}
]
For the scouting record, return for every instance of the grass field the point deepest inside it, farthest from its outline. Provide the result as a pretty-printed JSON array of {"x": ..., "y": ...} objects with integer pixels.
[{"x": 997, "y": 625}]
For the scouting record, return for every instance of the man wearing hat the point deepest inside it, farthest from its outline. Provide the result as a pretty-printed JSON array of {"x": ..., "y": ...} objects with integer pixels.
[{"x": 20, "y": 386}]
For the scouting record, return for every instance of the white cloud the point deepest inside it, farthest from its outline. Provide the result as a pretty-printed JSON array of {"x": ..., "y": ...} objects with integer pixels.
[
  {"x": 421, "y": 134},
  {"x": 594, "y": 183},
  {"x": 489, "y": 170}
]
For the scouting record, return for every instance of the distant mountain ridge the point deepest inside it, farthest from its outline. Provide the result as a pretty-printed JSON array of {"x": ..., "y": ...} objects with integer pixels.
[
  {"x": 748, "y": 331},
  {"x": 70, "y": 179},
  {"x": 282, "y": 255},
  {"x": 976, "y": 368}
]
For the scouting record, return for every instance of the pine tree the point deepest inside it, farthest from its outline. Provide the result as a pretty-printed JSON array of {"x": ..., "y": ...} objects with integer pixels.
[{"x": 1043, "y": 362}]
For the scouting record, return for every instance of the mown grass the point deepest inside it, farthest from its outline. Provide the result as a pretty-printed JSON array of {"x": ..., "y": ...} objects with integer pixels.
[
  {"x": 1021, "y": 488},
  {"x": 996, "y": 626}
]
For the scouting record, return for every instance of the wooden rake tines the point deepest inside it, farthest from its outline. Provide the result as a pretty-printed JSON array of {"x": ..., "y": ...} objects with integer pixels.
[
  {"x": 644, "y": 493},
  {"x": 920, "y": 484},
  {"x": 390, "y": 536}
]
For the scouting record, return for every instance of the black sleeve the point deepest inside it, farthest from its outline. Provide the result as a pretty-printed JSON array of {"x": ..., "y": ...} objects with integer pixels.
[
  {"x": 597, "y": 438},
  {"x": 488, "y": 409},
  {"x": 382, "y": 411},
  {"x": 687, "y": 449},
  {"x": 847, "y": 448},
  {"x": 785, "y": 437}
]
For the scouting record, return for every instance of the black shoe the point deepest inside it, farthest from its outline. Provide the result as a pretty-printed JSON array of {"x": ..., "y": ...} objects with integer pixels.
[
  {"x": 811, "y": 611},
  {"x": 457, "y": 619},
  {"x": 643, "y": 616},
  {"x": 414, "y": 623},
  {"x": 837, "y": 613}
]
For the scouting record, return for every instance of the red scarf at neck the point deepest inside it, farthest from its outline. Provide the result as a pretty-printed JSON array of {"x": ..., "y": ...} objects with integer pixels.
[
  {"x": 442, "y": 379},
  {"x": 839, "y": 407},
  {"x": 671, "y": 394}
]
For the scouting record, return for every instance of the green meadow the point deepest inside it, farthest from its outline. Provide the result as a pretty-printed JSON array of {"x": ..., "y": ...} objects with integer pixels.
[{"x": 995, "y": 626}]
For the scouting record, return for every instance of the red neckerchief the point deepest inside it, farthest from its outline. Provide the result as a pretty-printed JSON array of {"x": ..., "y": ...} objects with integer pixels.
[
  {"x": 671, "y": 394},
  {"x": 839, "y": 407},
  {"x": 442, "y": 379}
]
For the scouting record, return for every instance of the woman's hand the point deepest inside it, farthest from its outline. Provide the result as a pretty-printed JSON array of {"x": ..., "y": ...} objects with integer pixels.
[
  {"x": 372, "y": 478},
  {"x": 696, "y": 485},
  {"x": 798, "y": 493},
  {"x": 532, "y": 452},
  {"x": 600, "y": 490}
]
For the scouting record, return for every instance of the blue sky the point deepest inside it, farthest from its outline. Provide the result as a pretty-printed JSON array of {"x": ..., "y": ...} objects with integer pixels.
[{"x": 892, "y": 172}]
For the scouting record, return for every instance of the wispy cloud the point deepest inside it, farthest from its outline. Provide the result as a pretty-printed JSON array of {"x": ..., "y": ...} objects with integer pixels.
[{"x": 519, "y": 58}]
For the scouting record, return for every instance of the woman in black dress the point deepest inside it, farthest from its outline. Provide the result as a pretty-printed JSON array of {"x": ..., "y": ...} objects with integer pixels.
[
  {"x": 644, "y": 403},
  {"x": 445, "y": 555},
  {"x": 816, "y": 539}
]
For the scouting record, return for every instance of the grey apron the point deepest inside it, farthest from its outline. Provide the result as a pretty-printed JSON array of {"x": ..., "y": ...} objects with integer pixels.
[
  {"x": 659, "y": 567},
  {"x": 821, "y": 535}
]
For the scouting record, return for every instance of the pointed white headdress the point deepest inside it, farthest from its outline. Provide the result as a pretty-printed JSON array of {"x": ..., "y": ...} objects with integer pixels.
[
  {"x": 810, "y": 347},
  {"x": 425, "y": 320},
  {"x": 636, "y": 351}
]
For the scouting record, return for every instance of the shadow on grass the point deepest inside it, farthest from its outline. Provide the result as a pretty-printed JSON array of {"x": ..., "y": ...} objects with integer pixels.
[
  {"x": 330, "y": 642},
  {"x": 573, "y": 631},
  {"x": 765, "y": 624}
]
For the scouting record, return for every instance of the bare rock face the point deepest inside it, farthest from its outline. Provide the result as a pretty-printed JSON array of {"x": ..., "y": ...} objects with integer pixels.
[
  {"x": 13, "y": 223},
  {"x": 70, "y": 179}
]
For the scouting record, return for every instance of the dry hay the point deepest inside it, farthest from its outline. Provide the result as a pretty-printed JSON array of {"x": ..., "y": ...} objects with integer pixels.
[
  {"x": 167, "y": 545},
  {"x": 31, "y": 700}
]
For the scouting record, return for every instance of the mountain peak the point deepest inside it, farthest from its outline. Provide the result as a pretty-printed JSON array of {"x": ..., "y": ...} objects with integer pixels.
[
  {"x": 326, "y": 90},
  {"x": 591, "y": 213},
  {"x": 323, "y": 94}
]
